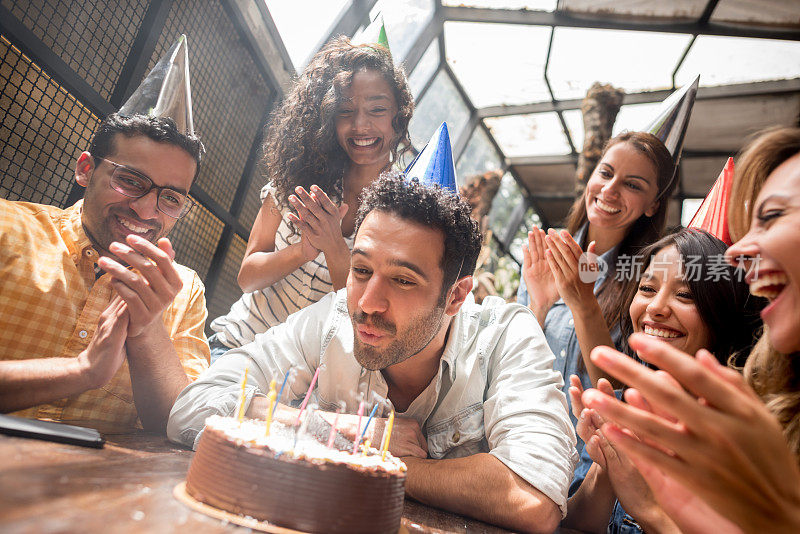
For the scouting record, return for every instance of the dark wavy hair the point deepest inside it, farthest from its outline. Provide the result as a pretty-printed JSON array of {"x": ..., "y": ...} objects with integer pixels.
[
  {"x": 161, "y": 130},
  {"x": 301, "y": 148},
  {"x": 722, "y": 298},
  {"x": 644, "y": 230},
  {"x": 434, "y": 207}
]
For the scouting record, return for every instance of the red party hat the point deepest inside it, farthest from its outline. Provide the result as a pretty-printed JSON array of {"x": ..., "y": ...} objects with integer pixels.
[{"x": 712, "y": 215}]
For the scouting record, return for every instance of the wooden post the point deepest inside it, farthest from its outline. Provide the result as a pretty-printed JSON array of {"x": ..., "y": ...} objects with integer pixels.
[{"x": 599, "y": 108}]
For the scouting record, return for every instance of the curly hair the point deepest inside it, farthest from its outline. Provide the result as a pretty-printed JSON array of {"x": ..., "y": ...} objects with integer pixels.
[
  {"x": 301, "y": 148},
  {"x": 159, "y": 129},
  {"x": 433, "y": 207}
]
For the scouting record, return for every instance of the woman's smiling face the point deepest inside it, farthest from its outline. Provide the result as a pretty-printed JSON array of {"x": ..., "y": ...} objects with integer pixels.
[
  {"x": 769, "y": 252},
  {"x": 364, "y": 119},
  {"x": 622, "y": 188},
  {"x": 664, "y": 308}
]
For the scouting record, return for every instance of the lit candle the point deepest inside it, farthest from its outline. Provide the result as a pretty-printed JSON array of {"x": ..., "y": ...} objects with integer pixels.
[
  {"x": 242, "y": 397},
  {"x": 308, "y": 395},
  {"x": 358, "y": 428},
  {"x": 387, "y": 435},
  {"x": 283, "y": 385},
  {"x": 332, "y": 435},
  {"x": 271, "y": 400},
  {"x": 366, "y": 447},
  {"x": 372, "y": 413}
]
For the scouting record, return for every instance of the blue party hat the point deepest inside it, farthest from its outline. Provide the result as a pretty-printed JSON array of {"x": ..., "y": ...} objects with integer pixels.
[{"x": 434, "y": 164}]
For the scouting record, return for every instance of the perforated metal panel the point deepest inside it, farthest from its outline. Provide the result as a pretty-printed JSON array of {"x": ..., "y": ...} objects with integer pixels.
[
  {"x": 228, "y": 94},
  {"x": 228, "y": 291},
  {"x": 252, "y": 198},
  {"x": 93, "y": 38},
  {"x": 195, "y": 238},
  {"x": 43, "y": 129}
]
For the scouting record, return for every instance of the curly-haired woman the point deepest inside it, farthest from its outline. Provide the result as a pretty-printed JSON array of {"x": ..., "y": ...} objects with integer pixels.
[{"x": 339, "y": 127}]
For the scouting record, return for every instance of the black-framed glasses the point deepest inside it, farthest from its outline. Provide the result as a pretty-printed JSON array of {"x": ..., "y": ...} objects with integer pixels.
[{"x": 134, "y": 184}]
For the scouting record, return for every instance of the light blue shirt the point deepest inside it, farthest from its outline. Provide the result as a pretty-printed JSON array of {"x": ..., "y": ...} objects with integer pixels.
[
  {"x": 559, "y": 330},
  {"x": 495, "y": 390}
]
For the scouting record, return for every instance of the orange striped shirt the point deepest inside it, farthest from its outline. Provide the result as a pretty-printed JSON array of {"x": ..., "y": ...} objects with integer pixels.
[{"x": 50, "y": 304}]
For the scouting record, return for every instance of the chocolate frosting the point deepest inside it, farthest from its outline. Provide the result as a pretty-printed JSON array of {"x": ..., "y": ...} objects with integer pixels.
[{"x": 294, "y": 493}]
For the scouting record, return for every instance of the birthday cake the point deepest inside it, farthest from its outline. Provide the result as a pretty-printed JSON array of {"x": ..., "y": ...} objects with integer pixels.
[{"x": 295, "y": 482}]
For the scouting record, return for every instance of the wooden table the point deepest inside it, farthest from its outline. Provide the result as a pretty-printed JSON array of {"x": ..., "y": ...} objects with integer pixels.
[{"x": 127, "y": 487}]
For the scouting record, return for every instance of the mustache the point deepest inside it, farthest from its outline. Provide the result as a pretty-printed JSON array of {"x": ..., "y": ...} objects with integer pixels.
[{"x": 359, "y": 317}]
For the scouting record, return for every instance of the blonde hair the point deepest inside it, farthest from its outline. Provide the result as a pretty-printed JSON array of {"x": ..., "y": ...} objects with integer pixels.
[{"x": 775, "y": 377}]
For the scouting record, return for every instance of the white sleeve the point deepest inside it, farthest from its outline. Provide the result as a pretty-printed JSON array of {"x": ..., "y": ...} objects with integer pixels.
[
  {"x": 525, "y": 412},
  {"x": 296, "y": 342}
]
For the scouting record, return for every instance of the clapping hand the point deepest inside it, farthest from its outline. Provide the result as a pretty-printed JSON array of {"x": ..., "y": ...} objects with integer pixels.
[
  {"x": 150, "y": 287},
  {"x": 542, "y": 291},
  {"x": 319, "y": 219},
  {"x": 706, "y": 430}
]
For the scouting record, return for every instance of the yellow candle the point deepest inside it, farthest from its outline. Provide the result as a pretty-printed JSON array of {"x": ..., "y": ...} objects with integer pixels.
[
  {"x": 271, "y": 397},
  {"x": 387, "y": 436},
  {"x": 242, "y": 397},
  {"x": 367, "y": 444}
]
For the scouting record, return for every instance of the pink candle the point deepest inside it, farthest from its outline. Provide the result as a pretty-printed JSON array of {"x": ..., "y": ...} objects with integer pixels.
[
  {"x": 333, "y": 429},
  {"x": 308, "y": 395},
  {"x": 358, "y": 429}
]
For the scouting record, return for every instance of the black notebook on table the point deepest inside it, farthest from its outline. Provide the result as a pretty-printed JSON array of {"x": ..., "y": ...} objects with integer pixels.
[{"x": 50, "y": 431}]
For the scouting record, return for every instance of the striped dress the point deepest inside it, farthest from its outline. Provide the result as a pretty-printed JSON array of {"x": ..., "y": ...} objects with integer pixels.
[{"x": 260, "y": 310}]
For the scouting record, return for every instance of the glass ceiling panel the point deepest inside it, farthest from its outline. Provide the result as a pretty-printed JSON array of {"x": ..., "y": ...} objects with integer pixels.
[
  {"x": 425, "y": 68},
  {"x": 634, "y": 61},
  {"x": 533, "y": 5},
  {"x": 498, "y": 63},
  {"x": 403, "y": 20},
  {"x": 536, "y": 134},
  {"x": 479, "y": 156},
  {"x": 725, "y": 60},
  {"x": 300, "y": 33},
  {"x": 681, "y": 9},
  {"x": 786, "y": 12},
  {"x": 503, "y": 204},
  {"x": 688, "y": 209},
  {"x": 441, "y": 103},
  {"x": 632, "y": 117}
]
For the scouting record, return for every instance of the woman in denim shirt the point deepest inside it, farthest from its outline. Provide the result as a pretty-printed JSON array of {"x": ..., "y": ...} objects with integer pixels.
[
  {"x": 688, "y": 297},
  {"x": 622, "y": 209}
]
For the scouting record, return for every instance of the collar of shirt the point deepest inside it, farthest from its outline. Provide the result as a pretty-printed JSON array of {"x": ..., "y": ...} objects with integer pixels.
[{"x": 75, "y": 237}]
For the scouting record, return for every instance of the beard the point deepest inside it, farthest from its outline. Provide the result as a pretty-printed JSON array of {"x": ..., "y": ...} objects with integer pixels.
[{"x": 421, "y": 329}]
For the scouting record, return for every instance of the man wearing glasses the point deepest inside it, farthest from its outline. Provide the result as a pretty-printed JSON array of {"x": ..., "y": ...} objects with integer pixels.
[{"x": 98, "y": 325}]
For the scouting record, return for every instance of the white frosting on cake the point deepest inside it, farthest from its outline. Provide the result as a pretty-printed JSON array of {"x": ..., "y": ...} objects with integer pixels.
[{"x": 281, "y": 440}]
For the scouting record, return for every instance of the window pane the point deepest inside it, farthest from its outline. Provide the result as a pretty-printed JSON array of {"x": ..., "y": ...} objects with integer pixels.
[
  {"x": 724, "y": 60},
  {"x": 632, "y": 117},
  {"x": 634, "y": 61},
  {"x": 688, "y": 209},
  {"x": 425, "y": 68},
  {"x": 403, "y": 20},
  {"x": 506, "y": 199},
  {"x": 532, "y": 5},
  {"x": 300, "y": 33},
  {"x": 498, "y": 63},
  {"x": 479, "y": 156},
  {"x": 441, "y": 103},
  {"x": 537, "y": 134}
]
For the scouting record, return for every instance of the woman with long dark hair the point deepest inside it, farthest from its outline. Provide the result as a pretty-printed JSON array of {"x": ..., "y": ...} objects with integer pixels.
[
  {"x": 691, "y": 299},
  {"x": 622, "y": 209},
  {"x": 703, "y": 436},
  {"x": 344, "y": 122}
]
